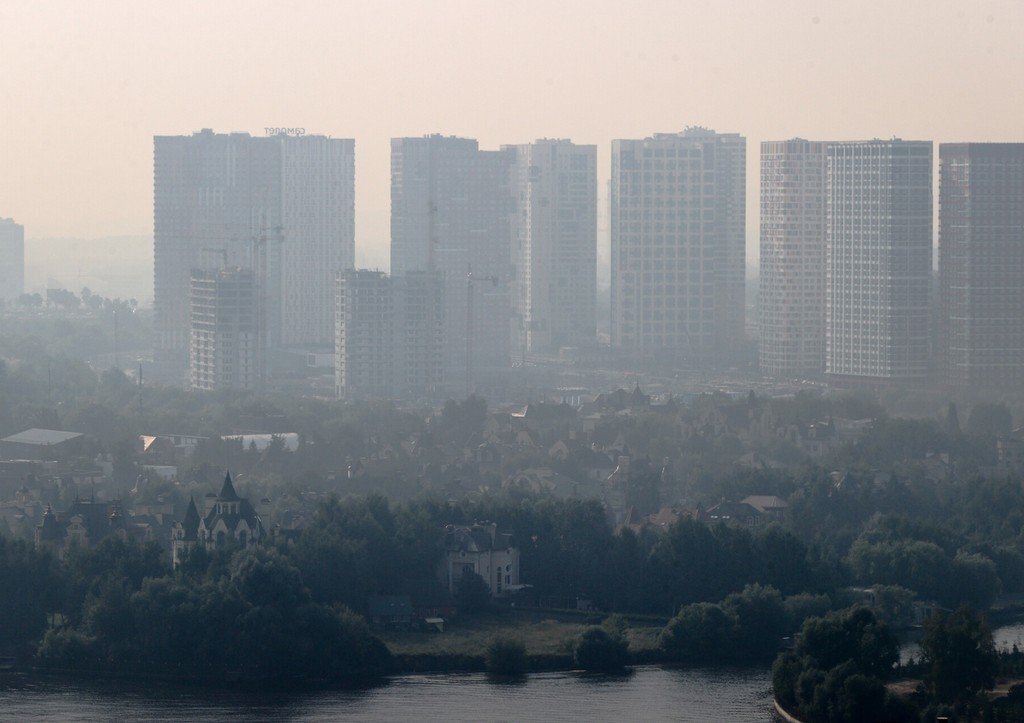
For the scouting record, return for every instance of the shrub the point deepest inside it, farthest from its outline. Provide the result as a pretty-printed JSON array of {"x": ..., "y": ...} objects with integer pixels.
[
  {"x": 505, "y": 656},
  {"x": 596, "y": 649}
]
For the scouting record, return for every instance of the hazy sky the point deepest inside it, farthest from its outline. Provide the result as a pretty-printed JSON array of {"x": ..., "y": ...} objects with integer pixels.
[{"x": 85, "y": 85}]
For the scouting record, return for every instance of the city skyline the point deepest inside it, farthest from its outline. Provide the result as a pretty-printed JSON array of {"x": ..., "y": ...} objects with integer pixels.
[{"x": 680, "y": 78}]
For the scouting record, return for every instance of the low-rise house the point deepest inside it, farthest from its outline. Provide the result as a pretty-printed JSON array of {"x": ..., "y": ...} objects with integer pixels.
[
  {"x": 772, "y": 507},
  {"x": 739, "y": 514},
  {"x": 226, "y": 518},
  {"x": 817, "y": 439},
  {"x": 85, "y": 524},
  {"x": 481, "y": 549}
]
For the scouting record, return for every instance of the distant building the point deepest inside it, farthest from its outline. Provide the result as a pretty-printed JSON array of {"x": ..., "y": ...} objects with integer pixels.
[
  {"x": 879, "y": 260},
  {"x": 40, "y": 443},
  {"x": 288, "y": 440},
  {"x": 481, "y": 549},
  {"x": 554, "y": 245},
  {"x": 737, "y": 514},
  {"x": 792, "y": 285},
  {"x": 12, "y": 259},
  {"x": 388, "y": 335},
  {"x": 281, "y": 205},
  {"x": 84, "y": 525},
  {"x": 226, "y": 518},
  {"x": 981, "y": 265},
  {"x": 450, "y": 209},
  {"x": 678, "y": 245},
  {"x": 226, "y": 343}
]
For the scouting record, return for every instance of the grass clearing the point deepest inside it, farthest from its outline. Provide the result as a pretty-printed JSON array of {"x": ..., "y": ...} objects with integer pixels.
[{"x": 540, "y": 633}]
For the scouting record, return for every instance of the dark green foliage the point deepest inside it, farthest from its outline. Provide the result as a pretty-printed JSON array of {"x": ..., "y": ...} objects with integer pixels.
[
  {"x": 461, "y": 419},
  {"x": 505, "y": 656},
  {"x": 254, "y": 617},
  {"x": 852, "y": 635},
  {"x": 989, "y": 419},
  {"x": 960, "y": 656},
  {"x": 30, "y": 588},
  {"x": 701, "y": 632},
  {"x": 746, "y": 626},
  {"x": 895, "y": 556},
  {"x": 838, "y": 669},
  {"x": 598, "y": 650},
  {"x": 472, "y": 593},
  {"x": 761, "y": 621}
]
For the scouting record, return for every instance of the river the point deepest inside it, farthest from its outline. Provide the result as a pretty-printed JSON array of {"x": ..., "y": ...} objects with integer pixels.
[{"x": 650, "y": 693}]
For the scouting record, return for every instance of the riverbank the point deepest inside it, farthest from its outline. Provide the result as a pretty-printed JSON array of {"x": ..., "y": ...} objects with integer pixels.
[{"x": 547, "y": 636}]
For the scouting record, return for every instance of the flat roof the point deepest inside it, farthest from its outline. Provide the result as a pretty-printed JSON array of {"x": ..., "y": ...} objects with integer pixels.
[{"x": 41, "y": 437}]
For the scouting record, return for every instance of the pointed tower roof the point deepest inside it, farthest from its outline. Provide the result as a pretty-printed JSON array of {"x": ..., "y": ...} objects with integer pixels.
[
  {"x": 191, "y": 521},
  {"x": 227, "y": 492}
]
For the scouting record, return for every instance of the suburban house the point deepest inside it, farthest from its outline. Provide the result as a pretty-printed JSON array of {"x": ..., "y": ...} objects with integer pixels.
[
  {"x": 85, "y": 524},
  {"x": 480, "y": 548},
  {"x": 772, "y": 507},
  {"x": 739, "y": 514},
  {"x": 225, "y": 517}
]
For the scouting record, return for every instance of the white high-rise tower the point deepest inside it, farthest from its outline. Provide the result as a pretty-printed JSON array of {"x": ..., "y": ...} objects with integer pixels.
[
  {"x": 554, "y": 245},
  {"x": 792, "y": 288}
]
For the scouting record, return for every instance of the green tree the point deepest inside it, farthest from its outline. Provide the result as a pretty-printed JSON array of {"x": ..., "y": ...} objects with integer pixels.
[
  {"x": 699, "y": 633},
  {"x": 989, "y": 419},
  {"x": 761, "y": 620},
  {"x": 472, "y": 593},
  {"x": 597, "y": 649},
  {"x": 960, "y": 656},
  {"x": 505, "y": 656},
  {"x": 851, "y": 635}
]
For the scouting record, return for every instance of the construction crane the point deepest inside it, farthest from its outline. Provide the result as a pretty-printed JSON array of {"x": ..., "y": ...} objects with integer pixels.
[{"x": 471, "y": 278}]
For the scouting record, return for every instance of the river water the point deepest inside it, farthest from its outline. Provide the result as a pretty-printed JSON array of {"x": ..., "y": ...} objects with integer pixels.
[{"x": 650, "y": 693}]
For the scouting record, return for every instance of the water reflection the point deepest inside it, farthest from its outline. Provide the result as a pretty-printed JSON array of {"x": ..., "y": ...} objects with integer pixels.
[{"x": 646, "y": 693}]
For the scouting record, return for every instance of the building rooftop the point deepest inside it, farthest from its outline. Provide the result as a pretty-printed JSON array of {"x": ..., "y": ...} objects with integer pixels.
[{"x": 41, "y": 437}]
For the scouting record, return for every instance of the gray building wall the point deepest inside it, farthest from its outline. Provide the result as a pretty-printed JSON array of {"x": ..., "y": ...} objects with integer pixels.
[
  {"x": 981, "y": 264},
  {"x": 879, "y": 259},
  {"x": 678, "y": 234},
  {"x": 12, "y": 260},
  {"x": 554, "y": 246},
  {"x": 792, "y": 284}
]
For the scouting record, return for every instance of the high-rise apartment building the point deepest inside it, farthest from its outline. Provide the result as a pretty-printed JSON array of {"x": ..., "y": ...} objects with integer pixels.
[
  {"x": 678, "y": 225},
  {"x": 12, "y": 259},
  {"x": 981, "y": 264},
  {"x": 450, "y": 210},
  {"x": 878, "y": 260},
  {"x": 792, "y": 288},
  {"x": 364, "y": 338},
  {"x": 388, "y": 335},
  {"x": 225, "y": 345},
  {"x": 554, "y": 246},
  {"x": 282, "y": 205}
]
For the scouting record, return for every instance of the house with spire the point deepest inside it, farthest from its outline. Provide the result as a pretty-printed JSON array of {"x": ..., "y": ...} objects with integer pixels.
[
  {"x": 85, "y": 524},
  {"x": 227, "y": 518}
]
